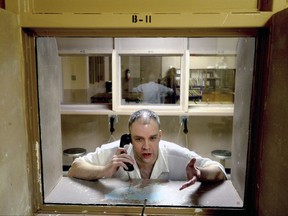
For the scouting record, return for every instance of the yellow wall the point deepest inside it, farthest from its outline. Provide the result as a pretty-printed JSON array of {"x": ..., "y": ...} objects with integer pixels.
[
  {"x": 14, "y": 167},
  {"x": 75, "y": 66},
  {"x": 163, "y": 13}
]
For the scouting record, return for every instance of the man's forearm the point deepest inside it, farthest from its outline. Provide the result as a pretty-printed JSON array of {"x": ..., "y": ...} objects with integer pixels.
[
  {"x": 211, "y": 173},
  {"x": 86, "y": 171}
]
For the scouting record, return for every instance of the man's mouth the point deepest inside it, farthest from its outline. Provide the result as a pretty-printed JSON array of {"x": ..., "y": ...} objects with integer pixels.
[{"x": 146, "y": 155}]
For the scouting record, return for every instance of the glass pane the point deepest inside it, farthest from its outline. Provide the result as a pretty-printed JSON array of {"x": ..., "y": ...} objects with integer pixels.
[
  {"x": 86, "y": 79},
  {"x": 150, "y": 80},
  {"x": 209, "y": 84},
  {"x": 218, "y": 75}
]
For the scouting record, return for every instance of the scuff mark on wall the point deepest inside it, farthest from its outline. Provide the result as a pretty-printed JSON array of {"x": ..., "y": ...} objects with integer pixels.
[
  {"x": 225, "y": 19},
  {"x": 38, "y": 159}
]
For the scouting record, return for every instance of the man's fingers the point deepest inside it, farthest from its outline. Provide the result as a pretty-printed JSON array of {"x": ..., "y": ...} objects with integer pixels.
[
  {"x": 183, "y": 187},
  {"x": 192, "y": 162},
  {"x": 123, "y": 157},
  {"x": 188, "y": 183},
  {"x": 121, "y": 151}
]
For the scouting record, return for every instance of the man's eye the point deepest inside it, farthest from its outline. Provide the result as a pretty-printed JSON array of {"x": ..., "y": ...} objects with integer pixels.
[{"x": 138, "y": 139}]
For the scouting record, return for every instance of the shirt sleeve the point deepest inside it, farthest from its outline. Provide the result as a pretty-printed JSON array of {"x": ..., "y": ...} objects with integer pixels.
[
  {"x": 164, "y": 89},
  {"x": 138, "y": 89},
  {"x": 102, "y": 154}
]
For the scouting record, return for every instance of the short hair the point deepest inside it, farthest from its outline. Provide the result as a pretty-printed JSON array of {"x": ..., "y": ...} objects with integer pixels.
[{"x": 146, "y": 115}]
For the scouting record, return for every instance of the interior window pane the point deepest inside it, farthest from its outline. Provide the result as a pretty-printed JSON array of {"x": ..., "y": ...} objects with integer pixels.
[
  {"x": 150, "y": 80},
  {"x": 86, "y": 79},
  {"x": 212, "y": 80}
]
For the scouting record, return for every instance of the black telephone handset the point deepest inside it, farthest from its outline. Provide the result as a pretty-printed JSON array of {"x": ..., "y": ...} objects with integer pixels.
[{"x": 126, "y": 139}]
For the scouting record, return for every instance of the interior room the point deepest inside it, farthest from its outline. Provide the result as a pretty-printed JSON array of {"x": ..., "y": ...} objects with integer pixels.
[{"x": 72, "y": 74}]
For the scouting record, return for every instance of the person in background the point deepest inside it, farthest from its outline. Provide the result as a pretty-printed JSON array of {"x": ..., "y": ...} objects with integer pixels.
[
  {"x": 151, "y": 157},
  {"x": 153, "y": 92},
  {"x": 170, "y": 81}
]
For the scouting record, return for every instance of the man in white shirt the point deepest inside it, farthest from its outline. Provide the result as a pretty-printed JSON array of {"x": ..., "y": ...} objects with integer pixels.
[
  {"x": 153, "y": 92},
  {"x": 151, "y": 157}
]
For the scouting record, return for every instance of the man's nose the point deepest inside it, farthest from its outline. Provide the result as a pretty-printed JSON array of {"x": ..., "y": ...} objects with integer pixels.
[{"x": 146, "y": 144}]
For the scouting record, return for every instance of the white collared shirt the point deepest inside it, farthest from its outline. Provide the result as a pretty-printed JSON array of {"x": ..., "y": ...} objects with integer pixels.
[{"x": 170, "y": 165}]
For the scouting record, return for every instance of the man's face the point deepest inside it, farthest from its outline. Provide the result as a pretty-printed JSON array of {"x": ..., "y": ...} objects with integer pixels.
[{"x": 145, "y": 140}]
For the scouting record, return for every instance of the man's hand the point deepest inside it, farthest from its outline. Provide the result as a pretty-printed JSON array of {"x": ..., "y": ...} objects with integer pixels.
[
  {"x": 211, "y": 173},
  {"x": 118, "y": 160},
  {"x": 193, "y": 174}
]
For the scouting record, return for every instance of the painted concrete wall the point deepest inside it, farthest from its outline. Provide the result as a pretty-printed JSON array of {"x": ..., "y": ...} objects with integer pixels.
[
  {"x": 241, "y": 133},
  {"x": 14, "y": 183},
  {"x": 205, "y": 133},
  {"x": 49, "y": 102}
]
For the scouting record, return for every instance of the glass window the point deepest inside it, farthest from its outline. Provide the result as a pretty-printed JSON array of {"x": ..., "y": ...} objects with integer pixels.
[
  {"x": 151, "y": 79},
  {"x": 174, "y": 70},
  {"x": 211, "y": 86},
  {"x": 212, "y": 72},
  {"x": 86, "y": 79}
]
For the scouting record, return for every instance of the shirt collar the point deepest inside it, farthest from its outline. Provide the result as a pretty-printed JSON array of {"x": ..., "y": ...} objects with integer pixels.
[{"x": 160, "y": 166}]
